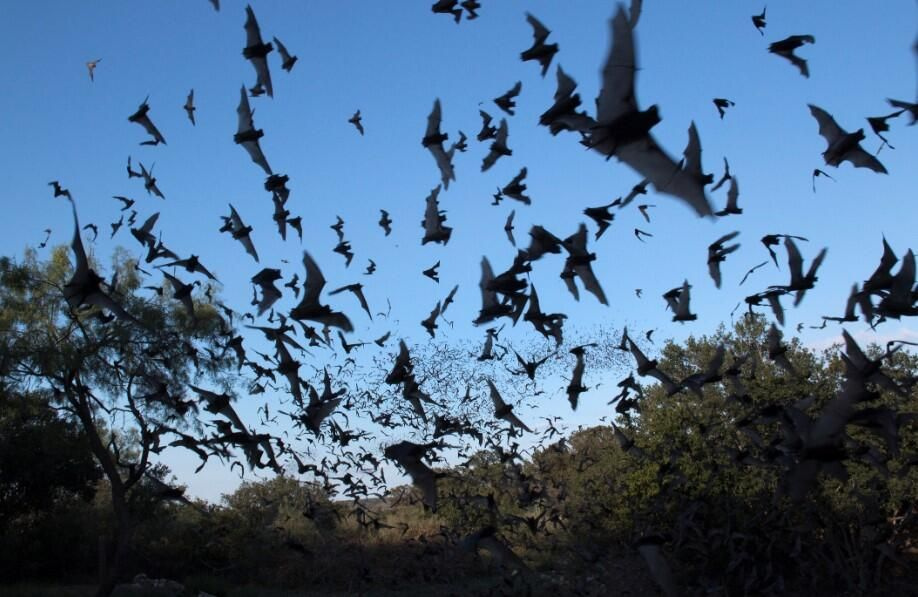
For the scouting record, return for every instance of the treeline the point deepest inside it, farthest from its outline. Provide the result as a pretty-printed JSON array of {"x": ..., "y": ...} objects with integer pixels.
[{"x": 708, "y": 483}]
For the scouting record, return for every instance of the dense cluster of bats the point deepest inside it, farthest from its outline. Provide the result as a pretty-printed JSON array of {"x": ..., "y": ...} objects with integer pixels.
[{"x": 618, "y": 128}]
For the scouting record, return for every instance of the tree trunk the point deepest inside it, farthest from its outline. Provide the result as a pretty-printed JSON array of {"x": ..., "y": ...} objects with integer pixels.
[{"x": 123, "y": 535}]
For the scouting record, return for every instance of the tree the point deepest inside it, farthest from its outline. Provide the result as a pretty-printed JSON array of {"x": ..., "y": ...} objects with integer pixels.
[
  {"x": 122, "y": 381},
  {"x": 43, "y": 458}
]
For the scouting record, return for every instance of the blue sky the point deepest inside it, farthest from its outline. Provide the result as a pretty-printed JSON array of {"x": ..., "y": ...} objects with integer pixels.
[{"x": 391, "y": 60}]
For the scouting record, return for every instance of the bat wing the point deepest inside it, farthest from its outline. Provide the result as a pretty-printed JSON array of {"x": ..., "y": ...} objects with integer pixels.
[
  {"x": 586, "y": 275},
  {"x": 635, "y": 11},
  {"x": 433, "y": 120},
  {"x": 568, "y": 276},
  {"x": 499, "y": 403},
  {"x": 617, "y": 95},
  {"x": 282, "y": 49},
  {"x": 246, "y": 241},
  {"x": 253, "y": 38},
  {"x": 152, "y": 130},
  {"x": 257, "y": 155},
  {"x": 733, "y": 193},
  {"x": 692, "y": 164},
  {"x": 244, "y": 113},
  {"x": 252, "y": 31},
  {"x": 314, "y": 282},
  {"x": 862, "y": 159},
  {"x": 828, "y": 128},
  {"x": 654, "y": 164},
  {"x": 799, "y": 62},
  {"x": 189, "y": 106},
  {"x": 794, "y": 261},
  {"x": 445, "y": 163},
  {"x": 714, "y": 271},
  {"x": 539, "y": 31}
]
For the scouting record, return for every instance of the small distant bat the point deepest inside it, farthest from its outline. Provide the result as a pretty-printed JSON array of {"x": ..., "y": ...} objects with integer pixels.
[
  {"x": 355, "y": 120},
  {"x": 189, "y": 106},
  {"x": 287, "y": 60},
  {"x": 141, "y": 117},
  {"x": 785, "y": 48}
]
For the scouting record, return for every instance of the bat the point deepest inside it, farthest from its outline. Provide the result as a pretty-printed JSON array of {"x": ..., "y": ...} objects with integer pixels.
[
  {"x": 539, "y": 51},
  {"x": 624, "y": 131},
  {"x": 287, "y": 60},
  {"x": 785, "y": 48},
  {"x": 514, "y": 189},
  {"x": 239, "y": 231},
  {"x": 842, "y": 145},
  {"x": 270, "y": 294},
  {"x": 189, "y": 106},
  {"x": 504, "y": 411},
  {"x": 505, "y": 102},
  {"x": 256, "y": 52},
  {"x": 141, "y": 117},
  {"x": 433, "y": 140},
  {"x": 247, "y": 135},
  {"x": 562, "y": 115},
  {"x": 355, "y": 120},
  {"x": 434, "y": 230},
  {"x": 498, "y": 147},
  {"x": 309, "y": 307}
]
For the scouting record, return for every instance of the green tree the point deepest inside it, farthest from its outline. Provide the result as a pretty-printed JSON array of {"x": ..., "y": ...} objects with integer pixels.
[{"x": 122, "y": 383}]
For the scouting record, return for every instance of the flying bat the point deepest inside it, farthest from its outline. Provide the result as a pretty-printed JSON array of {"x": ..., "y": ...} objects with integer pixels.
[
  {"x": 508, "y": 227},
  {"x": 433, "y": 140},
  {"x": 758, "y": 21},
  {"x": 191, "y": 265},
  {"x": 504, "y": 411},
  {"x": 432, "y": 273},
  {"x": 717, "y": 253},
  {"x": 576, "y": 387},
  {"x": 309, "y": 307},
  {"x": 141, "y": 118},
  {"x": 149, "y": 182},
  {"x": 562, "y": 115},
  {"x": 256, "y": 51},
  {"x": 447, "y": 7},
  {"x": 727, "y": 176},
  {"x": 385, "y": 222},
  {"x": 59, "y": 191},
  {"x": 498, "y": 147},
  {"x": 356, "y": 290},
  {"x": 247, "y": 135},
  {"x": 539, "y": 51},
  {"x": 356, "y": 121},
  {"x": 287, "y": 61},
  {"x": 239, "y": 231},
  {"x": 270, "y": 294},
  {"x": 909, "y": 107},
  {"x": 732, "y": 198},
  {"x": 515, "y": 188},
  {"x": 91, "y": 66},
  {"x": 623, "y": 130},
  {"x": 471, "y": 6},
  {"x": 578, "y": 264},
  {"x": 602, "y": 216},
  {"x": 409, "y": 457},
  {"x": 785, "y": 48},
  {"x": 722, "y": 104},
  {"x": 505, "y": 102},
  {"x": 487, "y": 131},
  {"x": 189, "y": 106},
  {"x": 434, "y": 230},
  {"x": 84, "y": 288},
  {"x": 842, "y": 145}
]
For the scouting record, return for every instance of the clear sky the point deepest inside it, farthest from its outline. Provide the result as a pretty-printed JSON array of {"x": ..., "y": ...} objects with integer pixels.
[{"x": 391, "y": 60}]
